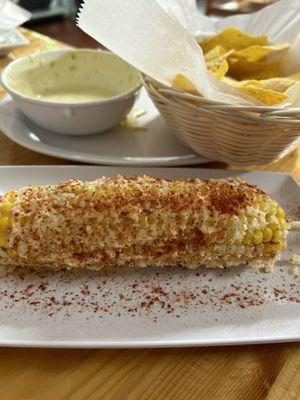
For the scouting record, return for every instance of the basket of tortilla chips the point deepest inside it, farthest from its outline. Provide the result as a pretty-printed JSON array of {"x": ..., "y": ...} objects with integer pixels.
[{"x": 240, "y": 135}]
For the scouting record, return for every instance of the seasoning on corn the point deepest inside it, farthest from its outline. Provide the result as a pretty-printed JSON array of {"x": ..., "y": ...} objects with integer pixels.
[{"x": 139, "y": 222}]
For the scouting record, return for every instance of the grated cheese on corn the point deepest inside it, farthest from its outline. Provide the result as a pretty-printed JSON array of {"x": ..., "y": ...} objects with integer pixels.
[{"x": 139, "y": 222}]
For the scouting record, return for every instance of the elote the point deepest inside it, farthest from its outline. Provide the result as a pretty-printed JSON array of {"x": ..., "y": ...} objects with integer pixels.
[{"x": 140, "y": 221}]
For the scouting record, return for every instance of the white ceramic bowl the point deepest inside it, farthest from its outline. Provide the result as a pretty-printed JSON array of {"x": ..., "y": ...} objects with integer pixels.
[{"x": 73, "y": 92}]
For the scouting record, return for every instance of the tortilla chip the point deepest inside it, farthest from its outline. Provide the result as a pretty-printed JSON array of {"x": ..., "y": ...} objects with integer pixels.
[
  {"x": 242, "y": 69},
  {"x": 295, "y": 76},
  {"x": 246, "y": 62},
  {"x": 253, "y": 53},
  {"x": 231, "y": 81},
  {"x": 220, "y": 70},
  {"x": 271, "y": 73},
  {"x": 232, "y": 38},
  {"x": 180, "y": 82},
  {"x": 276, "y": 84},
  {"x": 217, "y": 61},
  {"x": 267, "y": 97},
  {"x": 279, "y": 47},
  {"x": 257, "y": 53},
  {"x": 214, "y": 53}
]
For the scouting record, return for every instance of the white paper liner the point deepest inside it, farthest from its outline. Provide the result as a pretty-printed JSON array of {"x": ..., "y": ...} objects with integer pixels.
[{"x": 157, "y": 37}]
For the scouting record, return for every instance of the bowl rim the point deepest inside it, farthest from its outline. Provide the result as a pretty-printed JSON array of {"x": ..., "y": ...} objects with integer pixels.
[{"x": 45, "y": 103}]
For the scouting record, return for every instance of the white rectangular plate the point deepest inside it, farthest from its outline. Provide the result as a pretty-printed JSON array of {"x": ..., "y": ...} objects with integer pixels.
[{"x": 152, "y": 307}]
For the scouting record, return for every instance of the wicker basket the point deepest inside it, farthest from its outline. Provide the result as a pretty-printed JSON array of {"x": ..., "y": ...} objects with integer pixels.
[{"x": 233, "y": 134}]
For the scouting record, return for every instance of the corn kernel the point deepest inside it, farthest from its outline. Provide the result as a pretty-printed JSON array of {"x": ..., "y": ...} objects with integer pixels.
[
  {"x": 248, "y": 238},
  {"x": 269, "y": 248},
  {"x": 3, "y": 240},
  {"x": 257, "y": 237},
  {"x": 240, "y": 249},
  {"x": 273, "y": 208},
  {"x": 262, "y": 207},
  {"x": 150, "y": 218},
  {"x": 142, "y": 222},
  {"x": 243, "y": 219},
  {"x": 26, "y": 219},
  {"x": 11, "y": 197},
  {"x": 273, "y": 248},
  {"x": 12, "y": 253},
  {"x": 4, "y": 222},
  {"x": 273, "y": 227},
  {"x": 220, "y": 249},
  {"x": 23, "y": 221},
  {"x": 278, "y": 247},
  {"x": 267, "y": 234},
  {"x": 231, "y": 249},
  {"x": 5, "y": 209},
  {"x": 250, "y": 219},
  {"x": 280, "y": 212},
  {"x": 282, "y": 223},
  {"x": 230, "y": 223},
  {"x": 277, "y": 236}
]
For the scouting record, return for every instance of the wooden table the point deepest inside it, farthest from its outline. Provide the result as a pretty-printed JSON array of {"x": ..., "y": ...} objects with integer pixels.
[{"x": 269, "y": 372}]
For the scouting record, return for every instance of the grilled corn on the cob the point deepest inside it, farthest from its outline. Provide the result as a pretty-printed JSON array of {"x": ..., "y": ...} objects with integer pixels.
[{"x": 139, "y": 222}]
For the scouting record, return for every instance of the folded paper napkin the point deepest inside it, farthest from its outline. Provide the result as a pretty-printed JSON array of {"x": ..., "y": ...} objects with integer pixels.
[{"x": 11, "y": 16}]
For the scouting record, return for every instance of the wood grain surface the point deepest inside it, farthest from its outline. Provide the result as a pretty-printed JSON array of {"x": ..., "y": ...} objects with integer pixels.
[{"x": 262, "y": 372}]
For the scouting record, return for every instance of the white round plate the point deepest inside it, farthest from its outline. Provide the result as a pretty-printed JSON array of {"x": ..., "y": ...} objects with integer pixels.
[{"x": 153, "y": 146}]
